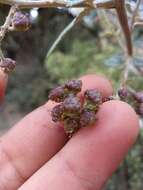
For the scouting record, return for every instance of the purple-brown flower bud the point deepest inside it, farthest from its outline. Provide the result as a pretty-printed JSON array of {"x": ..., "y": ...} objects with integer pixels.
[
  {"x": 140, "y": 110},
  {"x": 87, "y": 118},
  {"x": 57, "y": 94},
  {"x": 71, "y": 126},
  {"x": 139, "y": 96},
  {"x": 123, "y": 93},
  {"x": 7, "y": 64},
  {"x": 72, "y": 104},
  {"x": 74, "y": 86},
  {"x": 21, "y": 21},
  {"x": 57, "y": 113},
  {"x": 94, "y": 96}
]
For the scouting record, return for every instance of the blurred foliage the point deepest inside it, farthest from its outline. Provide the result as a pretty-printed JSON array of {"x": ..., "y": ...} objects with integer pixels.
[
  {"x": 90, "y": 57},
  {"x": 84, "y": 58},
  {"x": 30, "y": 94}
]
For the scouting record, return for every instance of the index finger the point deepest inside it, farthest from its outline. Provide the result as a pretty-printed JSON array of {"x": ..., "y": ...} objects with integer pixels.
[
  {"x": 35, "y": 139},
  {"x": 93, "y": 154}
]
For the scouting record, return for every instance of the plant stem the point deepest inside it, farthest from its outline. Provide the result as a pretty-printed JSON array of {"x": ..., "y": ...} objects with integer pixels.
[
  {"x": 45, "y": 3},
  {"x": 135, "y": 14},
  {"x": 129, "y": 61},
  {"x": 67, "y": 29},
  {"x": 63, "y": 33},
  {"x": 122, "y": 15},
  {"x": 1, "y": 54},
  {"x": 59, "y": 3},
  {"x": 126, "y": 71},
  {"x": 5, "y": 27}
]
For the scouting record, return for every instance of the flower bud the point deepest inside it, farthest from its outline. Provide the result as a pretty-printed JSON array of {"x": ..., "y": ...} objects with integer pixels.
[
  {"x": 57, "y": 113},
  {"x": 87, "y": 118},
  {"x": 71, "y": 126},
  {"x": 72, "y": 104},
  {"x": 123, "y": 93},
  {"x": 94, "y": 96},
  {"x": 74, "y": 86},
  {"x": 7, "y": 64},
  {"x": 57, "y": 94},
  {"x": 139, "y": 96},
  {"x": 21, "y": 21},
  {"x": 140, "y": 110}
]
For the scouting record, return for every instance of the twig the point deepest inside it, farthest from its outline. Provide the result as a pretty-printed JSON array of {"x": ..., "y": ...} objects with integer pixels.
[
  {"x": 61, "y": 36},
  {"x": 123, "y": 19},
  {"x": 5, "y": 27},
  {"x": 135, "y": 14},
  {"x": 139, "y": 23},
  {"x": 47, "y": 3},
  {"x": 129, "y": 61},
  {"x": 111, "y": 27},
  {"x": 58, "y": 3},
  {"x": 1, "y": 54},
  {"x": 67, "y": 29},
  {"x": 126, "y": 71}
]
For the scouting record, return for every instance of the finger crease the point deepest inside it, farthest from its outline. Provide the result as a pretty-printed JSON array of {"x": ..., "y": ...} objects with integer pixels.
[
  {"x": 11, "y": 161},
  {"x": 86, "y": 184}
]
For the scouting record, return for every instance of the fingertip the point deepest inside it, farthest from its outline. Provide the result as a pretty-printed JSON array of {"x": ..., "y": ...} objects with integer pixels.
[
  {"x": 91, "y": 81},
  {"x": 126, "y": 116},
  {"x": 105, "y": 144}
]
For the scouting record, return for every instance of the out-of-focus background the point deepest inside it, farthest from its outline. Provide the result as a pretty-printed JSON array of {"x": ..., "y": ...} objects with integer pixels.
[{"x": 90, "y": 47}]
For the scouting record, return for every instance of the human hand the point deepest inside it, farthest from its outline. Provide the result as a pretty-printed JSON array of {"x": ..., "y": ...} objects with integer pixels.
[{"x": 35, "y": 153}]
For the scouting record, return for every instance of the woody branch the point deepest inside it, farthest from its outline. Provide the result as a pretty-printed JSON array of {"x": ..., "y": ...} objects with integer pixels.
[{"x": 58, "y": 3}]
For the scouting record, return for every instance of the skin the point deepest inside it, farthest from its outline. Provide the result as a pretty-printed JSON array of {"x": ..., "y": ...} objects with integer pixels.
[
  {"x": 35, "y": 154},
  {"x": 3, "y": 84}
]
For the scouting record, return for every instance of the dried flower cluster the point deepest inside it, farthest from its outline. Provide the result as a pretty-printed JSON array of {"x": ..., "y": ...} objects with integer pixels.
[
  {"x": 71, "y": 110},
  {"x": 16, "y": 21},
  {"x": 76, "y": 113},
  {"x": 133, "y": 98}
]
